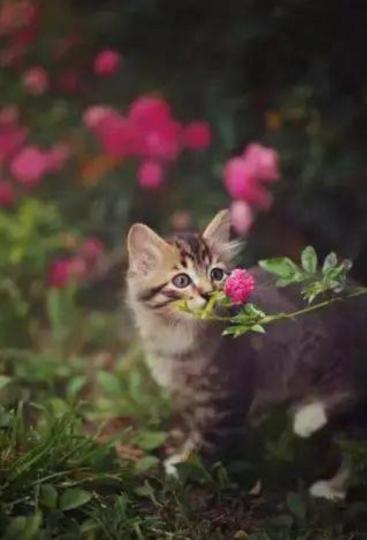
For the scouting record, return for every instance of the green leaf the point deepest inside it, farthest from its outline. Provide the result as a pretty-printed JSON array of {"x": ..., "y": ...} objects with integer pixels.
[
  {"x": 4, "y": 380},
  {"x": 146, "y": 463},
  {"x": 110, "y": 383},
  {"x": 282, "y": 267},
  {"x": 258, "y": 328},
  {"x": 74, "y": 498},
  {"x": 309, "y": 260},
  {"x": 48, "y": 496},
  {"x": 330, "y": 261},
  {"x": 296, "y": 505},
  {"x": 76, "y": 384},
  {"x": 149, "y": 440}
]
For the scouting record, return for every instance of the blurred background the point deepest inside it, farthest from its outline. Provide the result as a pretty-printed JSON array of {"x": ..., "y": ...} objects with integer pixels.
[{"x": 164, "y": 112}]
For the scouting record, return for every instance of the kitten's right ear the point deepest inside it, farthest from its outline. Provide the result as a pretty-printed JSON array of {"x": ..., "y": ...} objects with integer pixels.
[{"x": 145, "y": 248}]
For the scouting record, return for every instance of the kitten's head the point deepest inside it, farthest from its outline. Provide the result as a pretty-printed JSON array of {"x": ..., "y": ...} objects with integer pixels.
[{"x": 189, "y": 266}]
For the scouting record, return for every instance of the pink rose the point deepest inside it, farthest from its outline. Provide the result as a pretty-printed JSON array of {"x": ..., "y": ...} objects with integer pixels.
[
  {"x": 107, "y": 62},
  {"x": 197, "y": 135},
  {"x": 242, "y": 216},
  {"x": 150, "y": 174},
  {"x": 7, "y": 196},
  {"x": 9, "y": 116},
  {"x": 164, "y": 142},
  {"x": 29, "y": 166},
  {"x": 149, "y": 112},
  {"x": 36, "y": 80},
  {"x": 239, "y": 286},
  {"x": 242, "y": 183},
  {"x": 265, "y": 161},
  {"x": 119, "y": 136}
]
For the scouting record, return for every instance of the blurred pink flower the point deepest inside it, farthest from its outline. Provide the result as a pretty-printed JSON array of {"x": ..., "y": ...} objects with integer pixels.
[
  {"x": 197, "y": 135},
  {"x": 29, "y": 166},
  {"x": 150, "y": 174},
  {"x": 56, "y": 157},
  {"x": 239, "y": 177},
  {"x": 36, "y": 80},
  {"x": 242, "y": 216},
  {"x": 107, "y": 62},
  {"x": 11, "y": 139},
  {"x": 97, "y": 113},
  {"x": 163, "y": 142},
  {"x": 265, "y": 161},
  {"x": 7, "y": 196},
  {"x": 119, "y": 137},
  {"x": 15, "y": 15},
  {"x": 149, "y": 112},
  {"x": 239, "y": 286},
  {"x": 63, "y": 270},
  {"x": 92, "y": 249}
]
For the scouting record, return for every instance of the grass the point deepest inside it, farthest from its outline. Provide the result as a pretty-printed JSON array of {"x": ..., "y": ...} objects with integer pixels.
[{"x": 81, "y": 432}]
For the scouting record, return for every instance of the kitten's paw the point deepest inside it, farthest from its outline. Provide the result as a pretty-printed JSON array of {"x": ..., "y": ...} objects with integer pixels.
[
  {"x": 308, "y": 419},
  {"x": 170, "y": 468},
  {"x": 325, "y": 490},
  {"x": 170, "y": 463}
]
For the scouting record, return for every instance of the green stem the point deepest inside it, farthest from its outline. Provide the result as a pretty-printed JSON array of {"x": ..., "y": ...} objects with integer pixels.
[{"x": 271, "y": 318}]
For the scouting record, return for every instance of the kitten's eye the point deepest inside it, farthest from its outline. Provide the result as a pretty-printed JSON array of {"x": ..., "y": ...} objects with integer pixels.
[
  {"x": 181, "y": 281},
  {"x": 217, "y": 274}
]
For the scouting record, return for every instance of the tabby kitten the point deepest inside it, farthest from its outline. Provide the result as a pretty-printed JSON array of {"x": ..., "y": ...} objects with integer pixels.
[{"x": 309, "y": 364}]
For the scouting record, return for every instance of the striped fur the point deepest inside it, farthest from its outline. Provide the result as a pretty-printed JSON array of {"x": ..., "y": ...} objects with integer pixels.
[{"x": 311, "y": 364}]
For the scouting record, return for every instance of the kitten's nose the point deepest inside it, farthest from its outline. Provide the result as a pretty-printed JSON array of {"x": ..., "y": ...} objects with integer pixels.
[{"x": 206, "y": 295}]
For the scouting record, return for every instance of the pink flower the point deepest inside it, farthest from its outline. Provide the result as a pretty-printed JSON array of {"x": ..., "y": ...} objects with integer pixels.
[
  {"x": 150, "y": 174},
  {"x": 29, "y": 166},
  {"x": 7, "y": 196},
  {"x": 119, "y": 137},
  {"x": 96, "y": 114},
  {"x": 239, "y": 286},
  {"x": 242, "y": 183},
  {"x": 197, "y": 135},
  {"x": 57, "y": 157},
  {"x": 11, "y": 139},
  {"x": 149, "y": 112},
  {"x": 36, "y": 80},
  {"x": 63, "y": 270},
  {"x": 265, "y": 161},
  {"x": 164, "y": 142},
  {"x": 92, "y": 249},
  {"x": 107, "y": 62},
  {"x": 242, "y": 216}
]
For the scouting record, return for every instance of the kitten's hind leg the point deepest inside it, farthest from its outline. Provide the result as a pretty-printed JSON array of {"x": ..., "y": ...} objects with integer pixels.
[
  {"x": 309, "y": 418},
  {"x": 334, "y": 489}
]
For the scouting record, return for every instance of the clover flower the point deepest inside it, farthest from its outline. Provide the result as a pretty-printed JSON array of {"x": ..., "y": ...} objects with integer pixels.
[{"x": 239, "y": 286}]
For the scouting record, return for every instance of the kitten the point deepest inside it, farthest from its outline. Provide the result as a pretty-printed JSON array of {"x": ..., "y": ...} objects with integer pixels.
[{"x": 309, "y": 364}]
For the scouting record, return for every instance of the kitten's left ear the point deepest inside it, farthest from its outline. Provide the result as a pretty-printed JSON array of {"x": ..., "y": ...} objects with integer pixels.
[
  {"x": 217, "y": 234},
  {"x": 218, "y": 230}
]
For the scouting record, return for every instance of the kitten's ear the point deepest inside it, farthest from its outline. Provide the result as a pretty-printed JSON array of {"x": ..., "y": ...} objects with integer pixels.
[
  {"x": 145, "y": 248},
  {"x": 218, "y": 230},
  {"x": 218, "y": 233}
]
